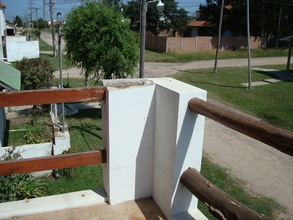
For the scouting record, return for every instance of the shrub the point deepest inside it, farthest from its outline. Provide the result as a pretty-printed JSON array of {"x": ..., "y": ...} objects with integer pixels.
[
  {"x": 37, "y": 33},
  {"x": 20, "y": 186},
  {"x": 35, "y": 73}
]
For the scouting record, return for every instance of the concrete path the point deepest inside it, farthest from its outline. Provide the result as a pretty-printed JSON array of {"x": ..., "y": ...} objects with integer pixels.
[{"x": 156, "y": 70}]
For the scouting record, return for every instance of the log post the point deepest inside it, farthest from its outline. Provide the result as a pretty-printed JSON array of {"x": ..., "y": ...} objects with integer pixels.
[
  {"x": 275, "y": 137},
  {"x": 220, "y": 204}
]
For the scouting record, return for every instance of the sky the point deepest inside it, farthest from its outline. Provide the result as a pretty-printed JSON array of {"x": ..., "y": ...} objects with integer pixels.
[{"x": 22, "y": 7}]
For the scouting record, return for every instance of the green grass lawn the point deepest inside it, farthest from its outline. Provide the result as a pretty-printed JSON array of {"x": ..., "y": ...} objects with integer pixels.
[
  {"x": 236, "y": 189},
  {"x": 29, "y": 129},
  {"x": 180, "y": 57},
  {"x": 74, "y": 82},
  {"x": 272, "y": 103},
  {"x": 44, "y": 46},
  {"x": 85, "y": 135},
  {"x": 55, "y": 61}
]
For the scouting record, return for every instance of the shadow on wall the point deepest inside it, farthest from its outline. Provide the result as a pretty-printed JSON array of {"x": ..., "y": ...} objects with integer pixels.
[{"x": 236, "y": 43}]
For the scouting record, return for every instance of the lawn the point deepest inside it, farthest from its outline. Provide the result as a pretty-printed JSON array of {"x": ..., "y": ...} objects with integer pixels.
[
  {"x": 181, "y": 57},
  {"x": 236, "y": 189},
  {"x": 44, "y": 46},
  {"x": 85, "y": 135},
  {"x": 272, "y": 103}
]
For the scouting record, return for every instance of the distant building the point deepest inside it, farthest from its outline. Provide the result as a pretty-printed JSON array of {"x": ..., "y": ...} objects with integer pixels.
[
  {"x": 201, "y": 28},
  {"x": 10, "y": 29}
]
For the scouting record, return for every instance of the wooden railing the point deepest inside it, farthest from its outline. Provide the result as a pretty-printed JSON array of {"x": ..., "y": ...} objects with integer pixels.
[
  {"x": 278, "y": 138},
  {"x": 8, "y": 99},
  {"x": 220, "y": 204}
]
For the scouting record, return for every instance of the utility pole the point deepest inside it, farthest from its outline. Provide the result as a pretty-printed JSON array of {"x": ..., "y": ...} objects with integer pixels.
[
  {"x": 248, "y": 45},
  {"x": 52, "y": 26},
  {"x": 219, "y": 36},
  {"x": 31, "y": 14},
  {"x": 37, "y": 17},
  {"x": 279, "y": 24},
  {"x": 44, "y": 10},
  {"x": 143, "y": 11}
]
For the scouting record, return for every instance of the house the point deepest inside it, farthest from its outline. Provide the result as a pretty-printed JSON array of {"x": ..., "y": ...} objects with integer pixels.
[
  {"x": 201, "y": 28},
  {"x": 10, "y": 29},
  {"x": 9, "y": 81}
]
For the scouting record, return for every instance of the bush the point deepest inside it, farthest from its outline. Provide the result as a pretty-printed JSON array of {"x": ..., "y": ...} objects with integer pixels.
[
  {"x": 37, "y": 33},
  {"x": 35, "y": 73},
  {"x": 20, "y": 186}
]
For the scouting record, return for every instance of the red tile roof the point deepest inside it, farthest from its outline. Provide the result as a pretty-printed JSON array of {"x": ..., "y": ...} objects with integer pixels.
[
  {"x": 228, "y": 6},
  {"x": 201, "y": 24},
  {"x": 2, "y": 5}
]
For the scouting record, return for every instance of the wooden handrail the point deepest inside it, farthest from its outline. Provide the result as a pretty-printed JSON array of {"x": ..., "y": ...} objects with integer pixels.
[
  {"x": 278, "y": 138},
  {"x": 52, "y": 162},
  {"x": 37, "y": 97},
  {"x": 220, "y": 204}
]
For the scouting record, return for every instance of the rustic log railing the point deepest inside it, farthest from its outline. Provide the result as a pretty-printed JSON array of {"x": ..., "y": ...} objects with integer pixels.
[
  {"x": 47, "y": 97},
  {"x": 220, "y": 204},
  {"x": 278, "y": 138}
]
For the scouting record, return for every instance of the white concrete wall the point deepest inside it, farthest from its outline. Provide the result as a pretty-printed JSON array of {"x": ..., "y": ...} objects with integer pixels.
[
  {"x": 2, "y": 125},
  {"x": 2, "y": 30},
  {"x": 61, "y": 142},
  {"x": 16, "y": 51},
  {"x": 12, "y": 39},
  {"x": 128, "y": 135},
  {"x": 31, "y": 151},
  {"x": 178, "y": 145},
  {"x": 2, "y": 22},
  {"x": 151, "y": 138}
]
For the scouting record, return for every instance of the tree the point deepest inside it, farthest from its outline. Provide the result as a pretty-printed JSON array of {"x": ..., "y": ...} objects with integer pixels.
[
  {"x": 264, "y": 17},
  {"x": 18, "y": 21},
  {"x": 171, "y": 18},
  {"x": 98, "y": 41},
  {"x": 42, "y": 24}
]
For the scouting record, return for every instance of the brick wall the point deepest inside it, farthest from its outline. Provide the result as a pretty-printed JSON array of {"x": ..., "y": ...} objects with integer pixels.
[{"x": 192, "y": 44}]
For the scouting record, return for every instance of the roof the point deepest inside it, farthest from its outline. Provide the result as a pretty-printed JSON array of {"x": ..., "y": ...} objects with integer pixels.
[
  {"x": 9, "y": 77},
  {"x": 201, "y": 24},
  {"x": 228, "y": 6},
  {"x": 10, "y": 26},
  {"x": 2, "y": 5}
]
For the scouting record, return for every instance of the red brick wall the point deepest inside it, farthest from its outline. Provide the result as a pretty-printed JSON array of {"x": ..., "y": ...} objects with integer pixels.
[{"x": 192, "y": 44}]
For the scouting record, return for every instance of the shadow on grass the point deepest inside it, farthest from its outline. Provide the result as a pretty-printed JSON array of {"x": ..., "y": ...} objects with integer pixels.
[
  {"x": 269, "y": 74},
  {"x": 93, "y": 113},
  {"x": 85, "y": 129},
  {"x": 225, "y": 86}
]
